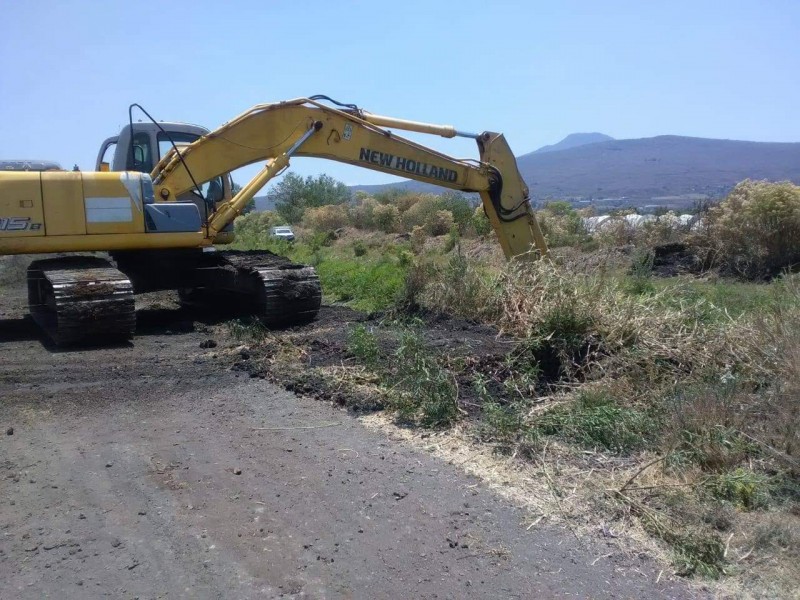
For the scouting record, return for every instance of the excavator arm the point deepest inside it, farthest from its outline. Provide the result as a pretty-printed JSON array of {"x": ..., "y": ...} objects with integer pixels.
[{"x": 306, "y": 127}]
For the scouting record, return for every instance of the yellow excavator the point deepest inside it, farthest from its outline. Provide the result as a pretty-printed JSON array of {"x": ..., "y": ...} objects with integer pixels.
[{"x": 161, "y": 227}]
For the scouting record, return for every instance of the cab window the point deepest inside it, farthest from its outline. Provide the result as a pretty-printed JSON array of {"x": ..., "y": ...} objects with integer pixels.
[
  {"x": 212, "y": 190},
  {"x": 140, "y": 157},
  {"x": 180, "y": 139}
]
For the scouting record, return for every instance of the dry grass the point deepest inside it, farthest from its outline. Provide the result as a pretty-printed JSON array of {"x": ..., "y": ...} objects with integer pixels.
[{"x": 664, "y": 416}]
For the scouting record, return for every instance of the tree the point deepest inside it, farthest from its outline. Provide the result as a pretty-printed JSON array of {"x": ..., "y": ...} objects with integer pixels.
[{"x": 293, "y": 195}]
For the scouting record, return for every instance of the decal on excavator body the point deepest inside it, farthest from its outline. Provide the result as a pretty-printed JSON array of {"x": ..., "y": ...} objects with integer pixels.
[
  {"x": 407, "y": 165},
  {"x": 18, "y": 224}
]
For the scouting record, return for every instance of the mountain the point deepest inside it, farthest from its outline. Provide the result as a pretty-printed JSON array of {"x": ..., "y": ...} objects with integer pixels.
[
  {"x": 667, "y": 170},
  {"x": 573, "y": 140}
]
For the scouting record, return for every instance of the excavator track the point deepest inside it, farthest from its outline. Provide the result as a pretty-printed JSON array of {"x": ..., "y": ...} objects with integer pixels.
[
  {"x": 267, "y": 286},
  {"x": 81, "y": 300}
]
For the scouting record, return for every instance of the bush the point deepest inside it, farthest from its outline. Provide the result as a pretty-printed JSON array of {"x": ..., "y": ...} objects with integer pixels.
[
  {"x": 480, "y": 222},
  {"x": 359, "y": 248},
  {"x": 326, "y": 218},
  {"x": 440, "y": 223},
  {"x": 561, "y": 224},
  {"x": 418, "y": 238},
  {"x": 453, "y": 237},
  {"x": 362, "y": 214},
  {"x": 386, "y": 217},
  {"x": 252, "y": 230},
  {"x": 293, "y": 195},
  {"x": 459, "y": 206},
  {"x": 755, "y": 231},
  {"x": 421, "y": 211}
]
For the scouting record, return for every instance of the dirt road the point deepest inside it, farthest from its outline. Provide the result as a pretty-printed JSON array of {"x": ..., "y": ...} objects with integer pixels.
[{"x": 153, "y": 471}]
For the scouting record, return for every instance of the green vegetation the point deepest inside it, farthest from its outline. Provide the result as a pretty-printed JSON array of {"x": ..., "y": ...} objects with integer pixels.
[
  {"x": 293, "y": 195},
  {"x": 681, "y": 390},
  {"x": 596, "y": 420},
  {"x": 417, "y": 387}
]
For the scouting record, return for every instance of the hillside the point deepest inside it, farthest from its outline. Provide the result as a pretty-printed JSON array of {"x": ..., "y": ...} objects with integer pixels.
[
  {"x": 668, "y": 170},
  {"x": 573, "y": 140}
]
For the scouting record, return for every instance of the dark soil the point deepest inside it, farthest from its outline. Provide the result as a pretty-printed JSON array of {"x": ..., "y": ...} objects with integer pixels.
[
  {"x": 464, "y": 346},
  {"x": 671, "y": 260}
]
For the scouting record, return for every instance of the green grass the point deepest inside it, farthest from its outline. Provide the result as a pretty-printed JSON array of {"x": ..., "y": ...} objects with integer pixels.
[
  {"x": 418, "y": 388},
  {"x": 741, "y": 487},
  {"x": 370, "y": 282},
  {"x": 362, "y": 343},
  {"x": 365, "y": 285},
  {"x": 596, "y": 420},
  {"x": 734, "y": 297}
]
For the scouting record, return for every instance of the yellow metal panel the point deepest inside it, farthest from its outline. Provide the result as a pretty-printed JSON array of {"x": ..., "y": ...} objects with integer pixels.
[
  {"x": 109, "y": 207},
  {"x": 102, "y": 242},
  {"x": 20, "y": 205},
  {"x": 63, "y": 203}
]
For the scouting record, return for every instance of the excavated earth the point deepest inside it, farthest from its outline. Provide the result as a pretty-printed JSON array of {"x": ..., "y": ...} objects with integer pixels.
[{"x": 158, "y": 470}]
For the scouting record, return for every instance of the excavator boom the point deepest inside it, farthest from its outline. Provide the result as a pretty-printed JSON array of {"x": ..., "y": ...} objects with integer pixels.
[{"x": 306, "y": 127}]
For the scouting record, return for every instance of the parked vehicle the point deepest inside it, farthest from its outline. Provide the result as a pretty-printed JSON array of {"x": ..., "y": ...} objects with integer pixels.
[{"x": 284, "y": 232}]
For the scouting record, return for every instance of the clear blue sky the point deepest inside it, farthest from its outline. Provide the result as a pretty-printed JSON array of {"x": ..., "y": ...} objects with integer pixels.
[{"x": 536, "y": 71}]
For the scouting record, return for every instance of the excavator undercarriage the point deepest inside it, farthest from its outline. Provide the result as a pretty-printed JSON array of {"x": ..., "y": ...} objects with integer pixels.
[
  {"x": 76, "y": 299},
  {"x": 85, "y": 299}
]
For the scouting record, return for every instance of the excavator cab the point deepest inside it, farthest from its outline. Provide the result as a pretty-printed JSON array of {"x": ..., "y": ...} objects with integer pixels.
[{"x": 139, "y": 147}]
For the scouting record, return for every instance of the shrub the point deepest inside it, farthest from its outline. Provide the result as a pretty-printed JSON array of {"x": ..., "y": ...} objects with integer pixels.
[
  {"x": 418, "y": 237},
  {"x": 359, "y": 248},
  {"x": 406, "y": 200},
  {"x": 459, "y": 206},
  {"x": 755, "y": 231},
  {"x": 362, "y": 214},
  {"x": 386, "y": 217},
  {"x": 421, "y": 212},
  {"x": 327, "y": 218},
  {"x": 666, "y": 228},
  {"x": 480, "y": 222},
  {"x": 440, "y": 223},
  {"x": 293, "y": 195},
  {"x": 453, "y": 238},
  {"x": 561, "y": 224}
]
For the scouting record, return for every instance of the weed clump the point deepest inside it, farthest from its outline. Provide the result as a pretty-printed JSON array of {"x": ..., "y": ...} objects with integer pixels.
[
  {"x": 742, "y": 487},
  {"x": 425, "y": 392},
  {"x": 595, "y": 420},
  {"x": 363, "y": 345},
  {"x": 417, "y": 387},
  {"x": 697, "y": 553}
]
